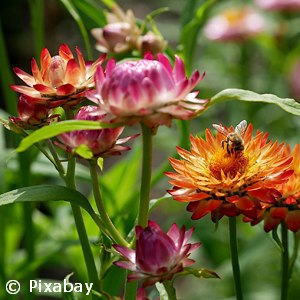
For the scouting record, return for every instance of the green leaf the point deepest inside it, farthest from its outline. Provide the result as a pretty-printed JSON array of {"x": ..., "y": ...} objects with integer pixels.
[
  {"x": 84, "y": 151},
  {"x": 68, "y": 295},
  {"x": 61, "y": 127},
  {"x": 189, "y": 33},
  {"x": 289, "y": 105},
  {"x": 163, "y": 295},
  {"x": 100, "y": 162},
  {"x": 40, "y": 193},
  {"x": 201, "y": 273},
  {"x": 92, "y": 10},
  {"x": 74, "y": 13}
]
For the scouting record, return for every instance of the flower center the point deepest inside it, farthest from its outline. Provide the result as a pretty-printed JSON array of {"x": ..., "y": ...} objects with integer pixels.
[{"x": 228, "y": 164}]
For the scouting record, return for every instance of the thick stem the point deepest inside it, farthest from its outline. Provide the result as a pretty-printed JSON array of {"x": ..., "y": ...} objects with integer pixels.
[
  {"x": 168, "y": 285},
  {"x": 235, "y": 258},
  {"x": 146, "y": 176},
  {"x": 284, "y": 263},
  {"x": 113, "y": 233}
]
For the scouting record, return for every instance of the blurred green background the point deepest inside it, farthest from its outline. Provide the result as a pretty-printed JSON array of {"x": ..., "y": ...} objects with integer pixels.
[{"x": 264, "y": 64}]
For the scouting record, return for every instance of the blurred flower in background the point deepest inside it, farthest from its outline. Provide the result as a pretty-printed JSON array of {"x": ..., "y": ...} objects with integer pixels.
[
  {"x": 147, "y": 90},
  {"x": 122, "y": 34},
  {"x": 289, "y": 5},
  {"x": 214, "y": 181},
  {"x": 102, "y": 142},
  {"x": 61, "y": 80},
  {"x": 158, "y": 255},
  {"x": 285, "y": 208},
  {"x": 236, "y": 24}
]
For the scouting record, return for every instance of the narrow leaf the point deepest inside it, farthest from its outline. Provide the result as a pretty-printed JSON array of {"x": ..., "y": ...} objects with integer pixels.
[
  {"x": 289, "y": 105},
  {"x": 55, "y": 129},
  {"x": 201, "y": 273},
  {"x": 40, "y": 193}
]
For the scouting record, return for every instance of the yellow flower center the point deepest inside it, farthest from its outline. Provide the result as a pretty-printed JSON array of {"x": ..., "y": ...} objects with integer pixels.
[{"x": 228, "y": 164}]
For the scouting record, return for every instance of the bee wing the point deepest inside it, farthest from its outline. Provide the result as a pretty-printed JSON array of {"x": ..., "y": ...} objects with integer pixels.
[
  {"x": 241, "y": 128},
  {"x": 221, "y": 129}
]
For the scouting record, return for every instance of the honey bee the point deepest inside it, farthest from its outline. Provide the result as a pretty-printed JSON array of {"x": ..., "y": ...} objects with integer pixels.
[{"x": 234, "y": 140}]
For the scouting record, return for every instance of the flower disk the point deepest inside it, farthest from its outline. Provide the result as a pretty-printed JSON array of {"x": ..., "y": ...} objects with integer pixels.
[{"x": 212, "y": 180}]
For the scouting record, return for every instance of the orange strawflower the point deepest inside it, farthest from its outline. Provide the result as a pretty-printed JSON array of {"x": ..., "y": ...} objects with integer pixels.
[
  {"x": 221, "y": 174},
  {"x": 285, "y": 209}
]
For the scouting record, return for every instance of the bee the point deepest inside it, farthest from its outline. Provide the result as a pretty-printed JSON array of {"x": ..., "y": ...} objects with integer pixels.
[{"x": 234, "y": 140}]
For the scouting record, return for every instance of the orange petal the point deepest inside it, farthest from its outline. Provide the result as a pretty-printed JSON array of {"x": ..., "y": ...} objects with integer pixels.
[
  {"x": 65, "y": 52},
  {"x": 45, "y": 63},
  {"x": 73, "y": 74}
]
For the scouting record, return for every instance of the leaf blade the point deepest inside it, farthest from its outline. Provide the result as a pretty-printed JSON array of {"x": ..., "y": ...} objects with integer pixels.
[{"x": 287, "y": 104}]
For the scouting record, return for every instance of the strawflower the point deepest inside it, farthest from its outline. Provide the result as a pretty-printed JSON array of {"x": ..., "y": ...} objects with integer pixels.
[
  {"x": 31, "y": 115},
  {"x": 102, "y": 142},
  {"x": 279, "y": 5},
  {"x": 147, "y": 90},
  {"x": 221, "y": 182},
  {"x": 285, "y": 209},
  {"x": 120, "y": 34},
  {"x": 235, "y": 24},
  {"x": 61, "y": 79},
  {"x": 158, "y": 255}
]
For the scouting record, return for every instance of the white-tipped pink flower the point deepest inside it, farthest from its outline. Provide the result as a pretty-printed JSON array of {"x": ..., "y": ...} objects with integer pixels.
[
  {"x": 286, "y": 5},
  {"x": 234, "y": 25},
  {"x": 158, "y": 255},
  {"x": 60, "y": 80},
  {"x": 102, "y": 142},
  {"x": 147, "y": 90}
]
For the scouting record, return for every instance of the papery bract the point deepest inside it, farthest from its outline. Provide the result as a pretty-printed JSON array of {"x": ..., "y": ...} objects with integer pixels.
[
  {"x": 120, "y": 34},
  {"x": 285, "y": 208},
  {"x": 32, "y": 115},
  {"x": 61, "y": 80},
  {"x": 213, "y": 181},
  {"x": 147, "y": 90},
  {"x": 158, "y": 255},
  {"x": 102, "y": 142}
]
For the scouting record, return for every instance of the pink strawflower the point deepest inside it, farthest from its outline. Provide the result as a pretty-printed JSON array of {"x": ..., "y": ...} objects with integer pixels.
[
  {"x": 102, "y": 142},
  {"x": 60, "y": 80},
  {"x": 235, "y": 24},
  {"x": 32, "y": 115},
  {"x": 158, "y": 255},
  {"x": 284, "y": 5},
  {"x": 147, "y": 90}
]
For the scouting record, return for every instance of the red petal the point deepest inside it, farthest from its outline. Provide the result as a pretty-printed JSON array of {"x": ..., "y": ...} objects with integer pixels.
[
  {"x": 265, "y": 194},
  {"x": 27, "y": 78},
  {"x": 45, "y": 61},
  {"x": 66, "y": 89},
  {"x": 73, "y": 74},
  {"x": 278, "y": 212},
  {"x": 201, "y": 208},
  {"x": 44, "y": 89},
  {"x": 270, "y": 223},
  {"x": 293, "y": 220},
  {"x": 65, "y": 52}
]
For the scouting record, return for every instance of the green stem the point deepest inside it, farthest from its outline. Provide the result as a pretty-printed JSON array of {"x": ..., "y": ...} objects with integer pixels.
[
  {"x": 146, "y": 176},
  {"x": 284, "y": 263},
  {"x": 57, "y": 163},
  {"x": 294, "y": 255},
  {"x": 114, "y": 234},
  {"x": 235, "y": 258},
  {"x": 79, "y": 222},
  {"x": 168, "y": 285}
]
